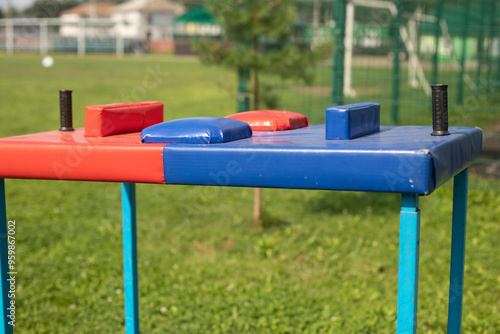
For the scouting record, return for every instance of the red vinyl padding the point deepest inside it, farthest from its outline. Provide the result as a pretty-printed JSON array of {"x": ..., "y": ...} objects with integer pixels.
[
  {"x": 71, "y": 156},
  {"x": 118, "y": 118},
  {"x": 272, "y": 120}
]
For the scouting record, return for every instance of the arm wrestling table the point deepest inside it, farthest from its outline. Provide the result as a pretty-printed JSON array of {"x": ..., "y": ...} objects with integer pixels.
[{"x": 403, "y": 159}]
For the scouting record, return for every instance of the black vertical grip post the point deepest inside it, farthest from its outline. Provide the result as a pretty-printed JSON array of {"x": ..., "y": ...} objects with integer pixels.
[
  {"x": 439, "y": 110},
  {"x": 66, "y": 108}
]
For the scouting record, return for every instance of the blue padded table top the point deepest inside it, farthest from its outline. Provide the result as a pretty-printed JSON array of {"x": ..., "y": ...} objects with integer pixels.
[{"x": 404, "y": 159}]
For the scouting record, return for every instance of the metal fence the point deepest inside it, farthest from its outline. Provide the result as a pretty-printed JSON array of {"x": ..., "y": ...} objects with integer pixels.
[
  {"x": 55, "y": 35},
  {"x": 390, "y": 52}
]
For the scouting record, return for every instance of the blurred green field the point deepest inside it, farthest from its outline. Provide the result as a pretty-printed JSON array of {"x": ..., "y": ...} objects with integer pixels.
[{"x": 323, "y": 262}]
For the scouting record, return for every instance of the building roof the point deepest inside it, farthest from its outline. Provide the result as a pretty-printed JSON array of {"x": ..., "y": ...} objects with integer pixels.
[
  {"x": 91, "y": 9},
  {"x": 157, "y": 6}
]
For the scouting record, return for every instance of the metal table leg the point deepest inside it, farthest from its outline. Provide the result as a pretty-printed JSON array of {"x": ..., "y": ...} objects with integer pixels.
[
  {"x": 409, "y": 238},
  {"x": 130, "y": 258},
  {"x": 4, "y": 267},
  {"x": 460, "y": 186}
]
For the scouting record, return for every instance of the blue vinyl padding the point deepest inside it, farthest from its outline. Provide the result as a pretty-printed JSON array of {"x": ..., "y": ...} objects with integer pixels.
[
  {"x": 197, "y": 130},
  {"x": 404, "y": 159},
  {"x": 352, "y": 120}
]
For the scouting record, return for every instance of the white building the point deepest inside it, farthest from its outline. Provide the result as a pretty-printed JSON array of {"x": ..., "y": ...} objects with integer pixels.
[
  {"x": 99, "y": 12},
  {"x": 151, "y": 20}
]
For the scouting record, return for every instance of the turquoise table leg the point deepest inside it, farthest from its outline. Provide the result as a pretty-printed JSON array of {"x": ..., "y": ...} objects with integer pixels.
[
  {"x": 130, "y": 258},
  {"x": 457, "y": 252},
  {"x": 4, "y": 284},
  {"x": 409, "y": 238}
]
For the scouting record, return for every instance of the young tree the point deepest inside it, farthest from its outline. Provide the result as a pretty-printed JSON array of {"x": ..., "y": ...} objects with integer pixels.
[
  {"x": 250, "y": 26},
  {"x": 53, "y": 8},
  {"x": 49, "y": 8}
]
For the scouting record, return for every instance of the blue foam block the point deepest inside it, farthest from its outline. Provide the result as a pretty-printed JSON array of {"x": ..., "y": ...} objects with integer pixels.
[
  {"x": 197, "y": 130},
  {"x": 352, "y": 121}
]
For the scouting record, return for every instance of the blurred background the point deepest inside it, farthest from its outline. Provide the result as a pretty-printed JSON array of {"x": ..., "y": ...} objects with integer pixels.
[
  {"x": 322, "y": 262},
  {"x": 383, "y": 51}
]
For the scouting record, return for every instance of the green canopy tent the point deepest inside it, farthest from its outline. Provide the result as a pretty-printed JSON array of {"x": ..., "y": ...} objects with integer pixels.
[{"x": 195, "y": 23}]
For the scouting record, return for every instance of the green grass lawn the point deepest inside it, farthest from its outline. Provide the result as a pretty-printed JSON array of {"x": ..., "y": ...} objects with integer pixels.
[{"x": 323, "y": 262}]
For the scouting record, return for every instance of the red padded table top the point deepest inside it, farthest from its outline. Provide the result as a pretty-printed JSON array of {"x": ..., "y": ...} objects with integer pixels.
[
  {"x": 396, "y": 159},
  {"x": 71, "y": 156}
]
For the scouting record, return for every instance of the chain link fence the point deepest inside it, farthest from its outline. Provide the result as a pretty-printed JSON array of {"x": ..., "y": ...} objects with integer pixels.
[{"x": 390, "y": 52}]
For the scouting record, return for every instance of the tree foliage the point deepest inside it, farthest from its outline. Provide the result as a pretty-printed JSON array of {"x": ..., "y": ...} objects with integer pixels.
[
  {"x": 246, "y": 20},
  {"x": 251, "y": 28},
  {"x": 10, "y": 11},
  {"x": 49, "y": 8},
  {"x": 53, "y": 8}
]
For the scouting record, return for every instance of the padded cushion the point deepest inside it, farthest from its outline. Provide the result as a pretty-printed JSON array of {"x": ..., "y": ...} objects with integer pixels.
[
  {"x": 118, "y": 118},
  {"x": 271, "y": 120},
  {"x": 197, "y": 130},
  {"x": 352, "y": 120}
]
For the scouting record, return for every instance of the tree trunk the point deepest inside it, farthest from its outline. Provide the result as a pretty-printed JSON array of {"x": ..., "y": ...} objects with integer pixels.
[
  {"x": 255, "y": 47},
  {"x": 257, "y": 198}
]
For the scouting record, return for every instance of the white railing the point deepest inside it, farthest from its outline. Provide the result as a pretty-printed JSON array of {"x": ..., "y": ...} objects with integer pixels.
[{"x": 46, "y": 35}]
